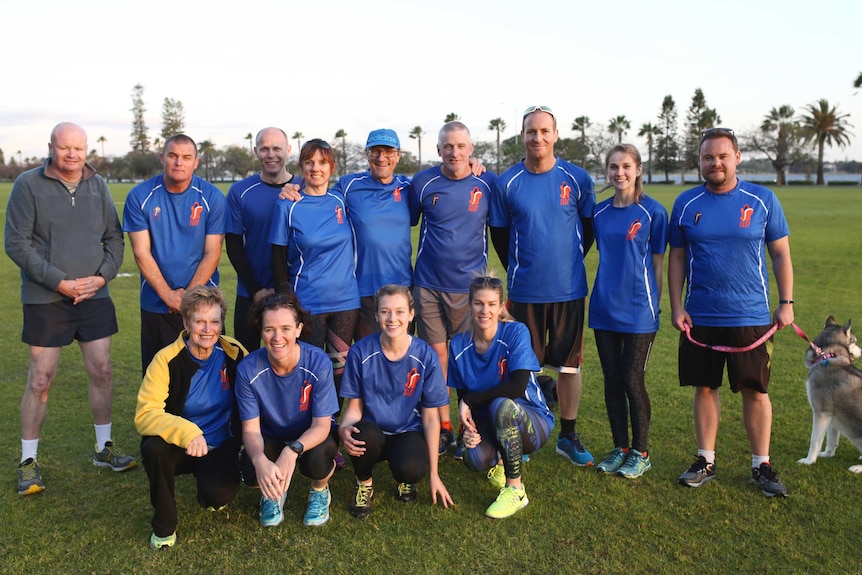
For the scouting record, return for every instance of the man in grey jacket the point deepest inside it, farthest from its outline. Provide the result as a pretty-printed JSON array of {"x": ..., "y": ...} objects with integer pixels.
[{"x": 62, "y": 230}]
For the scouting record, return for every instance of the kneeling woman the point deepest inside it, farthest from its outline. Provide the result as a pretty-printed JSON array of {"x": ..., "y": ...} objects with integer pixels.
[
  {"x": 286, "y": 399},
  {"x": 391, "y": 377},
  {"x": 186, "y": 413},
  {"x": 501, "y": 406}
]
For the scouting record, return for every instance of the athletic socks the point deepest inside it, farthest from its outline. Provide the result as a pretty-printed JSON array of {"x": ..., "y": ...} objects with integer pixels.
[
  {"x": 29, "y": 447},
  {"x": 708, "y": 455},
  {"x": 103, "y": 434}
]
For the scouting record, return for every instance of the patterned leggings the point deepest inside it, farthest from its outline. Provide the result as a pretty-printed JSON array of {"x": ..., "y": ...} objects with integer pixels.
[
  {"x": 513, "y": 429},
  {"x": 624, "y": 358}
]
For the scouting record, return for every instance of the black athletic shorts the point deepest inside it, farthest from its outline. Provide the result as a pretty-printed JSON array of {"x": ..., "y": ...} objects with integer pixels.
[{"x": 59, "y": 323}]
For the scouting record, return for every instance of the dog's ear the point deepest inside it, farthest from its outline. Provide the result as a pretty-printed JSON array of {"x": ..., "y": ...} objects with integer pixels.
[
  {"x": 830, "y": 321},
  {"x": 847, "y": 326}
]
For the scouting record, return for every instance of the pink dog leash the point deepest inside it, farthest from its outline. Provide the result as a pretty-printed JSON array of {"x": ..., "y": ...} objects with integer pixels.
[{"x": 759, "y": 342}]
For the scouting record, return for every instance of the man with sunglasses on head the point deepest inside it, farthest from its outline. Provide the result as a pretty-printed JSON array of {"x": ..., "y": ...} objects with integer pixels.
[
  {"x": 720, "y": 233},
  {"x": 251, "y": 203},
  {"x": 541, "y": 227}
]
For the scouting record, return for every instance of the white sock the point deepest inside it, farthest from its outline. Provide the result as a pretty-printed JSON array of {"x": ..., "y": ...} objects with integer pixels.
[
  {"x": 103, "y": 434},
  {"x": 756, "y": 460},
  {"x": 29, "y": 447},
  {"x": 708, "y": 455}
]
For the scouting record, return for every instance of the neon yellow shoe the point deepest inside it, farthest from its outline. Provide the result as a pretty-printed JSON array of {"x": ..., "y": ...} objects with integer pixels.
[
  {"x": 508, "y": 502},
  {"x": 497, "y": 477},
  {"x": 157, "y": 542}
]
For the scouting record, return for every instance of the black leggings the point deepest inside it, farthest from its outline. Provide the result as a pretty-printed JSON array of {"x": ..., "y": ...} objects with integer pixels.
[
  {"x": 316, "y": 463},
  {"x": 406, "y": 452},
  {"x": 624, "y": 358},
  {"x": 333, "y": 333}
]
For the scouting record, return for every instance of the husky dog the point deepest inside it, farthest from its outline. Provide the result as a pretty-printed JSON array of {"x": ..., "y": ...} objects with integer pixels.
[{"x": 834, "y": 391}]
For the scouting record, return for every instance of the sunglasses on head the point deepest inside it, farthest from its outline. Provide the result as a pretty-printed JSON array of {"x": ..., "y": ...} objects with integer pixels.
[
  {"x": 486, "y": 281},
  {"x": 716, "y": 130},
  {"x": 532, "y": 109},
  {"x": 318, "y": 143}
]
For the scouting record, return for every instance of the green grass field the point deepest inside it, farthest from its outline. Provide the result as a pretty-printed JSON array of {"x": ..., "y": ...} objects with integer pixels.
[{"x": 91, "y": 520}]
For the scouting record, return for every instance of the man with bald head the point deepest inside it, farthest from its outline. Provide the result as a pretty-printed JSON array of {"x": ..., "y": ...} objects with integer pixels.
[
  {"x": 251, "y": 203},
  {"x": 62, "y": 230}
]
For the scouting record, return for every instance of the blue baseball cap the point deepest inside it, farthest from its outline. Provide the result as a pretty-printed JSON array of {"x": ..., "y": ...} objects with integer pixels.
[{"x": 384, "y": 137}]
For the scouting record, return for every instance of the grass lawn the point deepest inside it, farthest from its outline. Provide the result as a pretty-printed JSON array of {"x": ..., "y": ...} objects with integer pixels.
[{"x": 91, "y": 520}]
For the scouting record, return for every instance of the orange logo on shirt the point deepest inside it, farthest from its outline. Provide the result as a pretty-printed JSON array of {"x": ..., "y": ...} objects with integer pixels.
[
  {"x": 305, "y": 396},
  {"x": 197, "y": 210},
  {"x": 745, "y": 216},
  {"x": 502, "y": 368},
  {"x": 633, "y": 230},
  {"x": 225, "y": 382},
  {"x": 157, "y": 211},
  {"x": 475, "y": 197},
  {"x": 565, "y": 194},
  {"x": 339, "y": 214},
  {"x": 412, "y": 382},
  {"x": 396, "y": 195}
]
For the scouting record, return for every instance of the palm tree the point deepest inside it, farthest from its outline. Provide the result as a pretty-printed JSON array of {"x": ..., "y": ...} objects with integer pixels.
[
  {"x": 780, "y": 122},
  {"x": 619, "y": 126},
  {"x": 499, "y": 125},
  {"x": 649, "y": 131},
  {"x": 451, "y": 117},
  {"x": 416, "y": 134},
  {"x": 298, "y": 137},
  {"x": 250, "y": 139},
  {"x": 102, "y": 140},
  {"x": 825, "y": 126},
  {"x": 206, "y": 149},
  {"x": 343, "y": 135},
  {"x": 858, "y": 82},
  {"x": 582, "y": 124}
]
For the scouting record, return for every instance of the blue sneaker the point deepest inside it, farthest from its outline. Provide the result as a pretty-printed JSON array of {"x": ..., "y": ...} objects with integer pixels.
[
  {"x": 635, "y": 466},
  {"x": 271, "y": 513},
  {"x": 318, "y": 507},
  {"x": 614, "y": 461},
  {"x": 572, "y": 448}
]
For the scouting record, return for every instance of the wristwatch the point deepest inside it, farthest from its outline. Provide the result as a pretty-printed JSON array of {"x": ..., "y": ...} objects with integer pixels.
[{"x": 297, "y": 447}]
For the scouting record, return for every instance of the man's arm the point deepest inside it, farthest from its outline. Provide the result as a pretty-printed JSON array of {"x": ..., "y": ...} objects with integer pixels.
[
  {"x": 500, "y": 239},
  {"x": 209, "y": 262},
  {"x": 675, "y": 281},
  {"x": 589, "y": 234},
  {"x": 238, "y": 258},
  {"x": 782, "y": 267},
  {"x": 141, "y": 248}
]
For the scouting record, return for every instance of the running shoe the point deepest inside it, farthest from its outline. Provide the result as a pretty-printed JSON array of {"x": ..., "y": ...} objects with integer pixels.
[
  {"x": 636, "y": 465},
  {"x": 29, "y": 477},
  {"x": 446, "y": 439},
  {"x": 406, "y": 492},
  {"x": 497, "y": 477},
  {"x": 271, "y": 511},
  {"x": 157, "y": 542},
  {"x": 768, "y": 480},
  {"x": 113, "y": 457},
  {"x": 699, "y": 473},
  {"x": 570, "y": 446},
  {"x": 360, "y": 506},
  {"x": 613, "y": 461},
  {"x": 508, "y": 502},
  {"x": 317, "y": 512}
]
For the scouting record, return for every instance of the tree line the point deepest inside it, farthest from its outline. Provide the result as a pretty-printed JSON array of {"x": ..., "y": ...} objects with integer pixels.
[{"x": 787, "y": 139}]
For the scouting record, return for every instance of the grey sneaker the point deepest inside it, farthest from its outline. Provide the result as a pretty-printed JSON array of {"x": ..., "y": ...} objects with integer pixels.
[
  {"x": 613, "y": 461},
  {"x": 699, "y": 473},
  {"x": 767, "y": 478},
  {"x": 113, "y": 457},
  {"x": 29, "y": 477},
  {"x": 635, "y": 466}
]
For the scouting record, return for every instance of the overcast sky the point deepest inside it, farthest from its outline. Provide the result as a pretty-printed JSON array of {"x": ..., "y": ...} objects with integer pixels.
[{"x": 317, "y": 67}]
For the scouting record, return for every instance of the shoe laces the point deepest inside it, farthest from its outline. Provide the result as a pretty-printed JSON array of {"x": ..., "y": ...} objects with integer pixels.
[
  {"x": 363, "y": 494},
  {"x": 576, "y": 443},
  {"x": 112, "y": 450},
  {"x": 405, "y": 488},
  {"x": 510, "y": 495},
  {"x": 317, "y": 501},
  {"x": 270, "y": 508},
  {"x": 700, "y": 465},
  {"x": 28, "y": 470},
  {"x": 766, "y": 473}
]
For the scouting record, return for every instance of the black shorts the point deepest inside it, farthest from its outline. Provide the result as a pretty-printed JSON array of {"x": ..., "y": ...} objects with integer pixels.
[
  {"x": 556, "y": 332},
  {"x": 704, "y": 367},
  {"x": 59, "y": 323}
]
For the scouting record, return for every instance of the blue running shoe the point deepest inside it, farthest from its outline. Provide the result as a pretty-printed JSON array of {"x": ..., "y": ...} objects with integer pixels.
[
  {"x": 572, "y": 448},
  {"x": 271, "y": 513},
  {"x": 317, "y": 512}
]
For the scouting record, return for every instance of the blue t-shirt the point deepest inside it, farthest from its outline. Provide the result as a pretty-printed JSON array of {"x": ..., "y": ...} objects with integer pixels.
[
  {"x": 543, "y": 213},
  {"x": 210, "y": 403},
  {"x": 251, "y": 203},
  {"x": 394, "y": 392},
  {"x": 380, "y": 215},
  {"x": 625, "y": 295},
  {"x": 453, "y": 237},
  {"x": 321, "y": 259},
  {"x": 510, "y": 351},
  {"x": 725, "y": 238},
  {"x": 286, "y": 404},
  {"x": 178, "y": 226}
]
